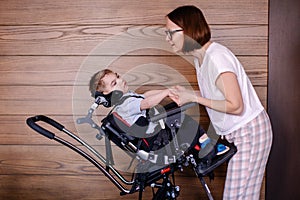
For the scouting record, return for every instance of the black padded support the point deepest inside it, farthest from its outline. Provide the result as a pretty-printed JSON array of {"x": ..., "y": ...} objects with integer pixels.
[{"x": 203, "y": 170}]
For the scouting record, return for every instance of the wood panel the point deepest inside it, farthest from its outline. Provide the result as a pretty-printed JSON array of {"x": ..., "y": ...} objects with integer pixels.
[
  {"x": 31, "y": 100},
  {"x": 49, "y": 50},
  {"x": 57, "y": 159},
  {"x": 119, "y": 40},
  {"x": 127, "y": 12},
  {"x": 44, "y": 177},
  {"x": 14, "y": 131},
  {"x": 90, "y": 187},
  {"x": 64, "y": 70},
  {"x": 94, "y": 187},
  {"x": 45, "y": 168}
]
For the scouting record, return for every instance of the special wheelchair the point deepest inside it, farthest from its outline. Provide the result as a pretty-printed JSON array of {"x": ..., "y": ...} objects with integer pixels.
[{"x": 158, "y": 157}]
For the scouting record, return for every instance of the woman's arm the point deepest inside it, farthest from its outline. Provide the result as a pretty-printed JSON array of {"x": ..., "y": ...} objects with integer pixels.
[{"x": 227, "y": 83}]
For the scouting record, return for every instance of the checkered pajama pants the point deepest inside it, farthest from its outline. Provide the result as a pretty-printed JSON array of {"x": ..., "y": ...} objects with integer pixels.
[{"x": 246, "y": 168}]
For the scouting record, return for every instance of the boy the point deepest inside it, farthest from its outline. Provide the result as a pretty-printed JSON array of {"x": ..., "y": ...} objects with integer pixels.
[{"x": 136, "y": 105}]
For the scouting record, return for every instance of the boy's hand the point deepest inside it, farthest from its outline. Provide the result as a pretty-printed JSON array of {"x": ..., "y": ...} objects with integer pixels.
[{"x": 174, "y": 96}]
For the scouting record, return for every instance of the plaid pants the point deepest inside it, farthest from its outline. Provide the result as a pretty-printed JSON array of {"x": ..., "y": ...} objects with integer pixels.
[{"x": 246, "y": 168}]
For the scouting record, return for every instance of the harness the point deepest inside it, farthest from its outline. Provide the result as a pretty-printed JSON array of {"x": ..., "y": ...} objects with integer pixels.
[{"x": 161, "y": 137}]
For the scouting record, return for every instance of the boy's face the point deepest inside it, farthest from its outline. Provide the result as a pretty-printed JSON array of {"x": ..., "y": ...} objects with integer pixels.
[{"x": 113, "y": 81}]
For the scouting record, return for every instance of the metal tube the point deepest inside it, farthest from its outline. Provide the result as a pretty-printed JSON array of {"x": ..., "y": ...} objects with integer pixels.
[
  {"x": 92, "y": 150},
  {"x": 92, "y": 160}
]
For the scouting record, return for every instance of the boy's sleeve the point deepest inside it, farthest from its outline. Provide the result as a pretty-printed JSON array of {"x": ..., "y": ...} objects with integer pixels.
[{"x": 134, "y": 106}]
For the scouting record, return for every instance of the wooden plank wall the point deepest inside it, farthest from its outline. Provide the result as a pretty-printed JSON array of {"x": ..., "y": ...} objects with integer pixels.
[{"x": 48, "y": 51}]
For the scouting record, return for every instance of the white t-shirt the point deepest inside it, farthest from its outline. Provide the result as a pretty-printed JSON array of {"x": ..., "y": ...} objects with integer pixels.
[{"x": 219, "y": 59}]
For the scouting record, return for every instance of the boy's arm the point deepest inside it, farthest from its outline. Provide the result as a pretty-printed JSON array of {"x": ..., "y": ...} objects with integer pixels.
[
  {"x": 153, "y": 97},
  {"x": 152, "y": 92}
]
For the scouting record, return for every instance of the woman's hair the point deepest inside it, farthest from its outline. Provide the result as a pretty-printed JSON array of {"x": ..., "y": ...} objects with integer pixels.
[
  {"x": 194, "y": 25},
  {"x": 96, "y": 83}
]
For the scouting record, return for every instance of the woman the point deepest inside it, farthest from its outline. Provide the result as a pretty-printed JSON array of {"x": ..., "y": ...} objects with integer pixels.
[{"x": 229, "y": 97}]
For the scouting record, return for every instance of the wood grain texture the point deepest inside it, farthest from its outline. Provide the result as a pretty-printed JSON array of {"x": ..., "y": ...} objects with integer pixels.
[
  {"x": 68, "y": 187},
  {"x": 50, "y": 49},
  {"x": 49, "y": 169},
  {"x": 56, "y": 159},
  {"x": 66, "y": 70},
  {"x": 127, "y": 12},
  {"x": 14, "y": 131},
  {"x": 31, "y": 100},
  {"x": 119, "y": 39}
]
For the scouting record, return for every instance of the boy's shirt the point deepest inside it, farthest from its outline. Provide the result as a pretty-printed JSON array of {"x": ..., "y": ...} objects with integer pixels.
[{"x": 130, "y": 110}]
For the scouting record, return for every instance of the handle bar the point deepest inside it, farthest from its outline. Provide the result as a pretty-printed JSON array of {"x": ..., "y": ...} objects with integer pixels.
[
  {"x": 31, "y": 122},
  {"x": 172, "y": 111}
]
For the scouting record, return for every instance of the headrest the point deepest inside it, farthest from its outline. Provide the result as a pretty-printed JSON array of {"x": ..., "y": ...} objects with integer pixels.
[{"x": 111, "y": 98}]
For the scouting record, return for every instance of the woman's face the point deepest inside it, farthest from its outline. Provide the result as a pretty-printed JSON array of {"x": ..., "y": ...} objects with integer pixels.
[{"x": 175, "y": 35}]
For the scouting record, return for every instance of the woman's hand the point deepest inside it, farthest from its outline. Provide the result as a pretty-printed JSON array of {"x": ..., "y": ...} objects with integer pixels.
[
  {"x": 180, "y": 95},
  {"x": 227, "y": 83}
]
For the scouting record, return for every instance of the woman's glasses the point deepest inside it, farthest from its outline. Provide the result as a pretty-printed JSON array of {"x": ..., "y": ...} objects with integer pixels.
[{"x": 170, "y": 33}]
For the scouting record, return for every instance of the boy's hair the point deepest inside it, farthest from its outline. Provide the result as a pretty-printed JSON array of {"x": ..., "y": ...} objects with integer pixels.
[
  {"x": 194, "y": 25},
  {"x": 96, "y": 83}
]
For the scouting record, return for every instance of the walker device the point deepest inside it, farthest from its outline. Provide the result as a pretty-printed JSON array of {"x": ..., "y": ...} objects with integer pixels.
[{"x": 157, "y": 157}]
